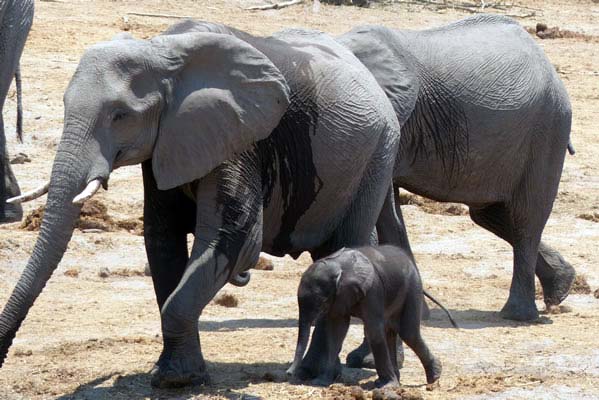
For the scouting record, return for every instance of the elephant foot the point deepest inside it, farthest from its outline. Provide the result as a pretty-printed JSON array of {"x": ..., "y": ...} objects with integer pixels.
[
  {"x": 519, "y": 310},
  {"x": 360, "y": 357},
  {"x": 556, "y": 276},
  {"x": 433, "y": 371},
  {"x": 386, "y": 383},
  {"x": 322, "y": 381},
  {"x": 304, "y": 373},
  {"x": 180, "y": 369}
]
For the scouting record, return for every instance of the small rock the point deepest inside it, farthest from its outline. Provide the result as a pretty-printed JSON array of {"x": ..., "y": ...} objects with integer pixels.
[
  {"x": 104, "y": 272},
  {"x": 264, "y": 264},
  {"x": 378, "y": 394},
  {"x": 357, "y": 393},
  {"x": 72, "y": 272},
  {"x": 20, "y": 158},
  {"x": 596, "y": 294}
]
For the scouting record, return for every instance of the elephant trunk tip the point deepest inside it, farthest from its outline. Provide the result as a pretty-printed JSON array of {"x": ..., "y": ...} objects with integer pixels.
[
  {"x": 6, "y": 341},
  {"x": 571, "y": 149}
]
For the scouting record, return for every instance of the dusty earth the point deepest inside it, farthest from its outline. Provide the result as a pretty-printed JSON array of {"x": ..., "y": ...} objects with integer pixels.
[{"x": 94, "y": 332}]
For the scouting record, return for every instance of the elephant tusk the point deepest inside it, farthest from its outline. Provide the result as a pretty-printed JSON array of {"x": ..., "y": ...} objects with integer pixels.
[
  {"x": 88, "y": 192},
  {"x": 31, "y": 195}
]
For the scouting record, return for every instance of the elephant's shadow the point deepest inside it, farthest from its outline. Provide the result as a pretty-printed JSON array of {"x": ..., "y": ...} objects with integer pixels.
[
  {"x": 230, "y": 380},
  {"x": 477, "y": 319}
]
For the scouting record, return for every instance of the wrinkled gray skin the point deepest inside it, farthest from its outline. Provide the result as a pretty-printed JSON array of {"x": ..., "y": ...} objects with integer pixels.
[
  {"x": 378, "y": 284},
  {"x": 486, "y": 122},
  {"x": 244, "y": 142},
  {"x": 16, "y": 17}
]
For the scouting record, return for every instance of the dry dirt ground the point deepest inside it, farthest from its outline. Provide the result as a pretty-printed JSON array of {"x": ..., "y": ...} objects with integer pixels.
[{"x": 89, "y": 337}]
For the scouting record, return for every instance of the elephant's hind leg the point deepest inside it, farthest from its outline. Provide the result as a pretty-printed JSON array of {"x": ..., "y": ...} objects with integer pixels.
[
  {"x": 409, "y": 332},
  {"x": 555, "y": 274},
  {"x": 500, "y": 220}
]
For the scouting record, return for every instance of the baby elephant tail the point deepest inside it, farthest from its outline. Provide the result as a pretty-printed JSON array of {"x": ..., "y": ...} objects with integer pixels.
[{"x": 427, "y": 294}]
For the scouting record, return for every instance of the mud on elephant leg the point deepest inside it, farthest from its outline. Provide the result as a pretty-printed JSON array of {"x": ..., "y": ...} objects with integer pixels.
[{"x": 555, "y": 274}]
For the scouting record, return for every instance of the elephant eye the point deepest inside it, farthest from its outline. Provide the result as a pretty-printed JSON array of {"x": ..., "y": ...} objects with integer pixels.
[{"x": 119, "y": 116}]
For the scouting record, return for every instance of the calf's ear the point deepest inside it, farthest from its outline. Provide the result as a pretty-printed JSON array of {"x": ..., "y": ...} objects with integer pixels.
[{"x": 353, "y": 283}]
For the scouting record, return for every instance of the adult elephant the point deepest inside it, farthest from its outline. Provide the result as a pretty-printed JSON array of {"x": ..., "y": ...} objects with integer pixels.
[
  {"x": 16, "y": 17},
  {"x": 485, "y": 122},
  {"x": 244, "y": 141}
]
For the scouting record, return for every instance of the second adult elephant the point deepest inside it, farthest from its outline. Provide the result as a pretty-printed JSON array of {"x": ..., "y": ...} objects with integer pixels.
[
  {"x": 486, "y": 122},
  {"x": 244, "y": 141},
  {"x": 16, "y": 17}
]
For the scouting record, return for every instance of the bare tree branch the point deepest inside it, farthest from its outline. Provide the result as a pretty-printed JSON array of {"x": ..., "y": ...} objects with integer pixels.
[
  {"x": 275, "y": 6},
  {"x": 159, "y": 15}
]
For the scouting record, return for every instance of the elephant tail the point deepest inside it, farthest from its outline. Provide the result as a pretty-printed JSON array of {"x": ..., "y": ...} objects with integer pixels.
[
  {"x": 427, "y": 294},
  {"x": 241, "y": 279},
  {"x": 571, "y": 148},
  {"x": 19, "y": 103}
]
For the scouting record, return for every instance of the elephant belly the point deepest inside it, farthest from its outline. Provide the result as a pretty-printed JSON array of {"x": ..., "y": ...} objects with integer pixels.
[{"x": 486, "y": 167}]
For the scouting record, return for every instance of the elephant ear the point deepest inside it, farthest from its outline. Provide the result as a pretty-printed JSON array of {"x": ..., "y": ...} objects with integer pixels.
[
  {"x": 222, "y": 95},
  {"x": 354, "y": 282}
]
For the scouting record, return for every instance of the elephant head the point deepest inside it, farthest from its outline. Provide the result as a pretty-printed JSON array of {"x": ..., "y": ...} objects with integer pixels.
[
  {"x": 188, "y": 102},
  {"x": 333, "y": 285}
]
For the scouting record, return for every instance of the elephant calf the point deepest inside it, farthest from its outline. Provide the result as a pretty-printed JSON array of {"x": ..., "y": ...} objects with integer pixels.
[{"x": 380, "y": 285}]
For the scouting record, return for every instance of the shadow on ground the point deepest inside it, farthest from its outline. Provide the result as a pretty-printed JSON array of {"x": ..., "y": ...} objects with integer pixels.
[
  {"x": 229, "y": 380},
  {"x": 249, "y": 323},
  {"x": 246, "y": 323},
  {"x": 477, "y": 319}
]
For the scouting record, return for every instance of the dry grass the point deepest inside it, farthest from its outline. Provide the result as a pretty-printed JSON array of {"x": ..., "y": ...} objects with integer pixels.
[
  {"x": 592, "y": 216},
  {"x": 226, "y": 300},
  {"x": 94, "y": 216},
  {"x": 264, "y": 264},
  {"x": 431, "y": 206},
  {"x": 72, "y": 272},
  {"x": 580, "y": 285}
]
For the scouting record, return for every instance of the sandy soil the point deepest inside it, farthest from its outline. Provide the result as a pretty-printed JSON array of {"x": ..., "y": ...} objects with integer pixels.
[{"x": 89, "y": 337}]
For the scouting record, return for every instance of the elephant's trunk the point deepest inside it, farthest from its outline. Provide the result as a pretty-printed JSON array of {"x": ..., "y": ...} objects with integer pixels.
[
  {"x": 303, "y": 336},
  {"x": 69, "y": 175}
]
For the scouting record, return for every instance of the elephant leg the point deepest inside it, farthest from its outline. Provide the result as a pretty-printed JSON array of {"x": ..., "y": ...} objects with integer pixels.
[
  {"x": 315, "y": 357},
  {"x": 555, "y": 274},
  {"x": 8, "y": 184},
  {"x": 390, "y": 229},
  {"x": 498, "y": 219},
  {"x": 336, "y": 329},
  {"x": 393, "y": 346},
  {"x": 169, "y": 215},
  {"x": 361, "y": 356},
  {"x": 228, "y": 239},
  {"x": 409, "y": 331},
  {"x": 377, "y": 338}
]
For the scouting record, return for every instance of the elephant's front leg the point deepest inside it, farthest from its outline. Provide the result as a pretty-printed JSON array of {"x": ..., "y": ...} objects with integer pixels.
[{"x": 223, "y": 246}]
